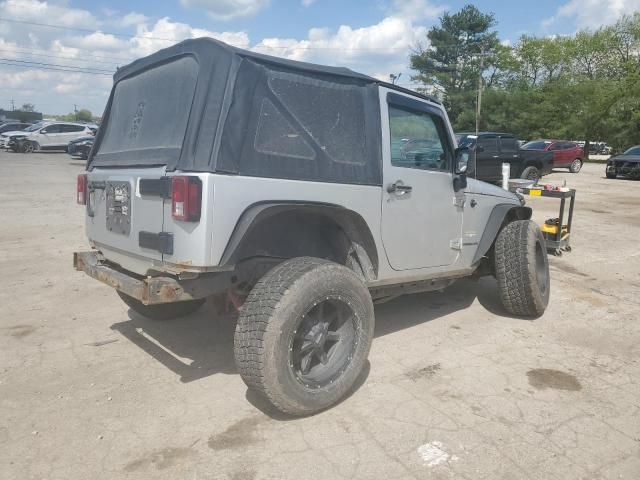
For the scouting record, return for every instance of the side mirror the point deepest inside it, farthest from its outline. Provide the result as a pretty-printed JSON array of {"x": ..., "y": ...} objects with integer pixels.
[
  {"x": 479, "y": 149},
  {"x": 462, "y": 160},
  {"x": 43, "y": 131}
]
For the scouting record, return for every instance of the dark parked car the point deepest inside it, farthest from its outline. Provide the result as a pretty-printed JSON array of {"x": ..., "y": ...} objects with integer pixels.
[
  {"x": 565, "y": 154},
  {"x": 627, "y": 164},
  {"x": 491, "y": 150},
  {"x": 80, "y": 147},
  {"x": 13, "y": 126}
]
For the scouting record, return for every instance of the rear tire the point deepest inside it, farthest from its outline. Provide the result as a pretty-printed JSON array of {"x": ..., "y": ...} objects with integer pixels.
[
  {"x": 163, "y": 311},
  {"x": 575, "y": 166},
  {"x": 304, "y": 334},
  {"x": 531, "y": 173},
  {"x": 522, "y": 269}
]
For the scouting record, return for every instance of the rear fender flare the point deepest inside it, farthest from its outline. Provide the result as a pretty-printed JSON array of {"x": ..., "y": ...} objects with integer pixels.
[{"x": 363, "y": 246}]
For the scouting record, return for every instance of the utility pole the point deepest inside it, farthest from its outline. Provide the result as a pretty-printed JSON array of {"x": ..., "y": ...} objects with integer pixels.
[
  {"x": 479, "y": 102},
  {"x": 13, "y": 105},
  {"x": 394, "y": 78},
  {"x": 75, "y": 111}
]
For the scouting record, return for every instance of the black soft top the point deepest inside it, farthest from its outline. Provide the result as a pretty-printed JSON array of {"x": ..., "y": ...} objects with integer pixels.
[{"x": 202, "y": 105}]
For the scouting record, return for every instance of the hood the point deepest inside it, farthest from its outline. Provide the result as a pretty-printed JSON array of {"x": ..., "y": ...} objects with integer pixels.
[
  {"x": 483, "y": 188},
  {"x": 83, "y": 139},
  {"x": 625, "y": 158},
  {"x": 16, "y": 133}
]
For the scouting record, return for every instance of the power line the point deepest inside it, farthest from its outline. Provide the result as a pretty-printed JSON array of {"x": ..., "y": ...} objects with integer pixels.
[
  {"x": 43, "y": 67},
  {"x": 30, "y": 54},
  {"x": 125, "y": 59},
  {"x": 110, "y": 72},
  {"x": 149, "y": 37}
]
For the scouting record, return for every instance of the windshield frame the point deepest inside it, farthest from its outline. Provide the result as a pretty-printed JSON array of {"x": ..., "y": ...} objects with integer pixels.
[{"x": 629, "y": 151}]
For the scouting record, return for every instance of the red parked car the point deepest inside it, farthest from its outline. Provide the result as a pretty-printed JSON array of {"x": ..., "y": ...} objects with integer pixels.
[{"x": 565, "y": 154}]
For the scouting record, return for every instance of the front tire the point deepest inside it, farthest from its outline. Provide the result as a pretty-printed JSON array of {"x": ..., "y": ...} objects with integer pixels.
[
  {"x": 522, "y": 269},
  {"x": 162, "y": 311},
  {"x": 612, "y": 175},
  {"x": 531, "y": 173},
  {"x": 575, "y": 166},
  {"x": 28, "y": 147},
  {"x": 304, "y": 334}
]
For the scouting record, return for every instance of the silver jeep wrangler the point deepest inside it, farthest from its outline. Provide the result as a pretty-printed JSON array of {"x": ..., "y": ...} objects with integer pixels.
[{"x": 301, "y": 193}]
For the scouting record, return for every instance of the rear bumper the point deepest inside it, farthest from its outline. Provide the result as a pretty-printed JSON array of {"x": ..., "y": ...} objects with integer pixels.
[{"x": 148, "y": 290}]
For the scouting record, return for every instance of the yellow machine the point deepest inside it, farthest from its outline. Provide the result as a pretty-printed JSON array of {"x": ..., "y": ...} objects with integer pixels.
[{"x": 550, "y": 227}]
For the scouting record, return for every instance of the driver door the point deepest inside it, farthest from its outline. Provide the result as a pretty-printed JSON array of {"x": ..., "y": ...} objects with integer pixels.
[
  {"x": 49, "y": 135},
  {"x": 421, "y": 214}
]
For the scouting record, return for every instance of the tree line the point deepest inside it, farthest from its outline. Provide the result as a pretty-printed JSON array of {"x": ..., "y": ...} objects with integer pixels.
[{"x": 583, "y": 87}]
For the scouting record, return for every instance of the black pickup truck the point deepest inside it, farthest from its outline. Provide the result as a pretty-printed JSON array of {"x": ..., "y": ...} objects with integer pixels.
[{"x": 491, "y": 150}]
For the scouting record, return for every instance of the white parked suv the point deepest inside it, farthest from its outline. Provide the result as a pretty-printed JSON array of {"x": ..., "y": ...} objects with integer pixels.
[{"x": 45, "y": 136}]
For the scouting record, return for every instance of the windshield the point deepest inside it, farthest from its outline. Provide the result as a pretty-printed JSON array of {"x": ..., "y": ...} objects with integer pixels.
[
  {"x": 633, "y": 151},
  {"x": 33, "y": 127},
  {"x": 536, "y": 145}
]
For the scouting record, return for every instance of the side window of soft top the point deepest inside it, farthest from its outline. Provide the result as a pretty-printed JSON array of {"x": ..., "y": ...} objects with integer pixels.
[{"x": 418, "y": 139}]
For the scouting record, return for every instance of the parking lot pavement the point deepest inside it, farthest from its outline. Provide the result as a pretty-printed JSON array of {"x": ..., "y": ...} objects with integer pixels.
[{"x": 454, "y": 388}]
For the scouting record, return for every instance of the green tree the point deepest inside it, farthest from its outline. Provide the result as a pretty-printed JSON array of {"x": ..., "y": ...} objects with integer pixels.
[
  {"x": 28, "y": 107},
  {"x": 84, "y": 115},
  {"x": 459, "y": 49}
]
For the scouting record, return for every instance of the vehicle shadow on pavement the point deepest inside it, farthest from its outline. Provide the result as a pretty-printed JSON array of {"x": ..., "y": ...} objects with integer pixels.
[
  {"x": 489, "y": 297},
  {"x": 410, "y": 310},
  {"x": 201, "y": 344},
  {"x": 192, "y": 347}
]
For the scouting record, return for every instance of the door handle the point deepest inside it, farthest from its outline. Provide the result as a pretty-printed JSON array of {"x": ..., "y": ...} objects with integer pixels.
[{"x": 399, "y": 188}]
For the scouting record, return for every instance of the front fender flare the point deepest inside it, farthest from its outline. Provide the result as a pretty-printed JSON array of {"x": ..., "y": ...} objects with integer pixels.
[{"x": 501, "y": 214}]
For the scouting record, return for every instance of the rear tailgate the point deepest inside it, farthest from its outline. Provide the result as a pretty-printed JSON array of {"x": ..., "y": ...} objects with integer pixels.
[{"x": 123, "y": 222}]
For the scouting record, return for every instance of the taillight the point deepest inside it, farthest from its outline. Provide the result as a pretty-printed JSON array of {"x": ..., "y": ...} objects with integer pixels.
[
  {"x": 81, "y": 189},
  {"x": 186, "y": 197}
]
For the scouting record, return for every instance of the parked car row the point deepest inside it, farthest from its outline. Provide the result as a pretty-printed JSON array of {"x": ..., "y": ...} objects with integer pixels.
[
  {"x": 530, "y": 160},
  {"x": 626, "y": 164},
  {"x": 80, "y": 147},
  {"x": 45, "y": 135}
]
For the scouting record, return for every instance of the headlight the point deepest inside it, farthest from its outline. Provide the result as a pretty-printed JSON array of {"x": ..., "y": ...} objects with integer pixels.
[{"x": 86, "y": 142}]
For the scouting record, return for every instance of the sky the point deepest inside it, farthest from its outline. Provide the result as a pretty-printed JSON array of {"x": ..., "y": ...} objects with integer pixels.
[{"x": 61, "y": 54}]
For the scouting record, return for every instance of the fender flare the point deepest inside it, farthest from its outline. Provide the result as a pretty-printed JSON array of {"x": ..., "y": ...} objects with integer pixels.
[
  {"x": 353, "y": 225},
  {"x": 498, "y": 218}
]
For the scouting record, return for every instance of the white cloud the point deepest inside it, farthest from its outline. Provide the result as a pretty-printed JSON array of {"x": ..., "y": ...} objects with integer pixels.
[
  {"x": 34, "y": 10},
  {"x": 165, "y": 32},
  {"x": 416, "y": 9},
  {"x": 56, "y": 91},
  {"x": 227, "y": 9},
  {"x": 98, "y": 41},
  {"x": 132, "y": 19},
  {"x": 377, "y": 50},
  {"x": 593, "y": 13},
  {"x": 308, "y": 3}
]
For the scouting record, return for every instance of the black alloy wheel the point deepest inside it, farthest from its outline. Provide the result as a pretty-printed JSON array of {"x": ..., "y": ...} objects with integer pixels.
[{"x": 324, "y": 342}]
